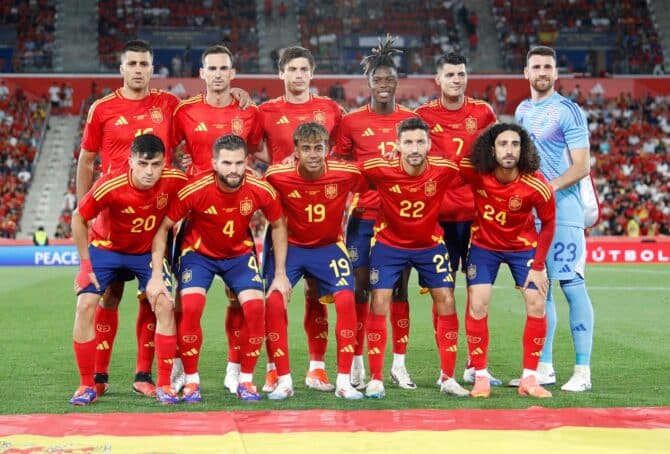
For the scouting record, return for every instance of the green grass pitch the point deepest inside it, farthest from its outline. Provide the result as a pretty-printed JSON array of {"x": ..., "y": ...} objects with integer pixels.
[{"x": 629, "y": 368}]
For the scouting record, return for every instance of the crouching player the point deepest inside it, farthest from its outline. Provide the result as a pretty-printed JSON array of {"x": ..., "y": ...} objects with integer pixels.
[
  {"x": 503, "y": 172},
  {"x": 314, "y": 193},
  {"x": 128, "y": 206}
]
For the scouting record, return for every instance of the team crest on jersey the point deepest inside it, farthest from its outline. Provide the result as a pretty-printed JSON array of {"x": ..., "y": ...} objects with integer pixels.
[
  {"x": 472, "y": 271},
  {"x": 246, "y": 207},
  {"x": 374, "y": 275},
  {"x": 156, "y": 114},
  {"x": 161, "y": 201},
  {"x": 320, "y": 117},
  {"x": 353, "y": 254},
  {"x": 186, "y": 276},
  {"x": 471, "y": 125},
  {"x": 237, "y": 126},
  {"x": 331, "y": 191},
  {"x": 430, "y": 188},
  {"x": 515, "y": 203}
]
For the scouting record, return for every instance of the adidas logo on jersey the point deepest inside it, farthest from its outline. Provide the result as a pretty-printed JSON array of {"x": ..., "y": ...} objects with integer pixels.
[
  {"x": 295, "y": 194},
  {"x": 128, "y": 210},
  {"x": 482, "y": 192},
  {"x": 566, "y": 269},
  {"x": 121, "y": 121},
  {"x": 211, "y": 210},
  {"x": 342, "y": 282},
  {"x": 396, "y": 189},
  {"x": 579, "y": 328},
  {"x": 283, "y": 120},
  {"x": 437, "y": 128},
  {"x": 368, "y": 133},
  {"x": 201, "y": 127}
]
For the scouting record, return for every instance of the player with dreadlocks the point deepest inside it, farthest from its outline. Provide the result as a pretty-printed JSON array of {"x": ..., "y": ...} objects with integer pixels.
[{"x": 366, "y": 133}]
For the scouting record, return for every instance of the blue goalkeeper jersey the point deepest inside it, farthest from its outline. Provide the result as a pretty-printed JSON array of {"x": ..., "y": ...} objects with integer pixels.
[{"x": 557, "y": 125}]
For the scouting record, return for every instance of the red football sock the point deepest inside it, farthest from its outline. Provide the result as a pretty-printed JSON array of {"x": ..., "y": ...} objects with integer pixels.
[
  {"x": 316, "y": 328},
  {"x": 468, "y": 363},
  {"x": 253, "y": 335},
  {"x": 534, "y": 335},
  {"x": 477, "y": 332},
  {"x": 376, "y": 336},
  {"x": 166, "y": 346},
  {"x": 234, "y": 322},
  {"x": 106, "y": 325},
  {"x": 84, "y": 354},
  {"x": 447, "y": 342},
  {"x": 189, "y": 331},
  {"x": 345, "y": 329},
  {"x": 400, "y": 326},
  {"x": 362, "y": 310},
  {"x": 276, "y": 328},
  {"x": 145, "y": 328}
]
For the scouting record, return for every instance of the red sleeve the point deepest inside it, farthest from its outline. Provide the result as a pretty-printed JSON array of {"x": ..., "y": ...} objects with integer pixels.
[
  {"x": 177, "y": 132},
  {"x": 256, "y": 133},
  {"x": 345, "y": 145},
  {"x": 546, "y": 212},
  {"x": 179, "y": 208},
  {"x": 88, "y": 207},
  {"x": 272, "y": 207},
  {"x": 92, "y": 139}
]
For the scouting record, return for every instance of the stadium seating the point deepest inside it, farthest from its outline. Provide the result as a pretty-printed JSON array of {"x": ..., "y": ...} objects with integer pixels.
[
  {"x": 523, "y": 24},
  {"x": 34, "y": 21},
  {"x": 21, "y": 124}
]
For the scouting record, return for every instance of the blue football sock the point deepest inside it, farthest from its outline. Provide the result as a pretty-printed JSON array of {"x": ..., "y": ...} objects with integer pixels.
[
  {"x": 581, "y": 319},
  {"x": 548, "y": 349}
]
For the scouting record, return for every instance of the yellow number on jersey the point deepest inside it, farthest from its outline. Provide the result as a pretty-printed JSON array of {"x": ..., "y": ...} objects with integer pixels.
[
  {"x": 142, "y": 224},
  {"x": 340, "y": 267},
  {"x": 410, "y": 209},
  {"x": 442, "y": 264},
  {"x": 386, "y": 147},
  {"x": 229, "y": 229},
  {"x": 316, "y": 213},
  {"x": 141, "y": 132},
  {"x": 460, "y": 143},
  {"x": 490, "y": 215}
]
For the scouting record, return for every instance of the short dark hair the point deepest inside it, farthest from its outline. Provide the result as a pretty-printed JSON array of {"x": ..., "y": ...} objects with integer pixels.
[
  {"x": 218, "y": 49},
  {"x": 296, "y": 52},
  {"x": 541, "y": 50},
  {"x": 137, "y": 45},
  {"x": 450, "y": 58},
  {"x": 147, "y": 146},
  {"x": 310, "y": 132},
  {"x": 483, "y": 155},
  {"x": 229, "y": 142},
  {"x": 411, "y": 124}
]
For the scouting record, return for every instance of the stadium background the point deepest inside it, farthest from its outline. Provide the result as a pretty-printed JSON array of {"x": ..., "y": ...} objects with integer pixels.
[{"x": 612, "y": 58}]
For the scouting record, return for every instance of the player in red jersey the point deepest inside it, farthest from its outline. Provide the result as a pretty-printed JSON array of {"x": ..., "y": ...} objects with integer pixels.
[
  {"x": 125, "y": 209},
  {"x": 199, "y": 121},
  {"x": 112, "y": 124},
  {"x": 219, "y": 204},
  {"x": 455, "y": 122},
  {"x": 280, "y": 117},
  {"x": 366, "y": 133},
  {"x": 407, "y": 233},
  {"x": 314, "y": 194},
  {"x": 503, "y": 172}
]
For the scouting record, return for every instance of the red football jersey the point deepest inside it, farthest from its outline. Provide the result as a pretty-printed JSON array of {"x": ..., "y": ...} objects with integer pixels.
[
  {"x": 452, "y": 133},
  {"x": 365, "y": 135},
  {"x": 279, "y": 119},
  {"x": 505, "y": 220},
  {"x": 113, "y": 122},
  {"x": 200, "y": 124},
  {"x": 410, "y": 205},
  {"x": 315, "y": 208},
  {"x": 218, "y": 221},
  {"x": 127, "y": 218}
]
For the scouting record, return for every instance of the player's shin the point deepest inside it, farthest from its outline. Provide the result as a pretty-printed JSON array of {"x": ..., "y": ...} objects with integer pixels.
[
  {"x": 106, "y": 326},
  {"x": 447, "y": 342},
  {"x": 376, "y": 337},
  {"x": 345, "y": 329},
  {"x": 145, "y": 329},
  {"x": 477, "y": 332},
  {"x": 316, "y": 328},
  {"x": 400, "y": 326},
  {"x": 534, "y": 335},
  {"x": 276, "y": 328},
  {"x": 234, "y": 322},
  {"x": 189, "y": 331},
  {"x": 252, "y": 336}
]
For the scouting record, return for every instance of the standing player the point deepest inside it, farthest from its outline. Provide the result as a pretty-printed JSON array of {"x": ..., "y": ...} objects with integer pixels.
[
  {"x": 219, "y": 204},
  {"x": 112, "y": 124},
  {"x": 125, "y": 208},
  {"x": 366, "y": 133},
  {"x": 503, "y": 171},
  {"x": 559, "y": 129},
  {"x": 407, "y": 233},
  {"x": 199, "y": 121},
  {"x": 280, "y": 117},
  {"x": 314, "y": 194},
  {"x": 455, "y": 122}
]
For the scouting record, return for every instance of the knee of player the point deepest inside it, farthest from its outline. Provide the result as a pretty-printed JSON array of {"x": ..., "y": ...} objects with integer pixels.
[{"x": 86, "y": 304}]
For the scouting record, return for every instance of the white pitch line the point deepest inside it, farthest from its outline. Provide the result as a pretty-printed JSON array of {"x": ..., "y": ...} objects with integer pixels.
[{"x": 595, "y": 269}]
